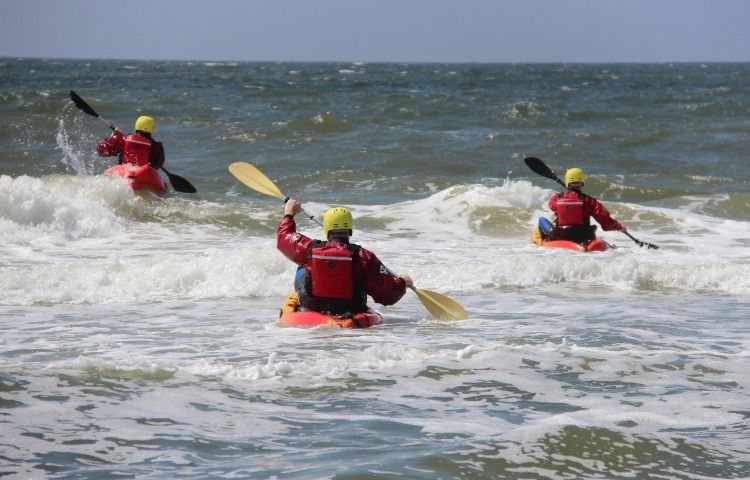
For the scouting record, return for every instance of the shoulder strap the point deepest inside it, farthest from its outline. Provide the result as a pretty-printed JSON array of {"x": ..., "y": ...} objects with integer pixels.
[
  {"x": 314, "y": 244},
  {"x": 358, "y": 292}
]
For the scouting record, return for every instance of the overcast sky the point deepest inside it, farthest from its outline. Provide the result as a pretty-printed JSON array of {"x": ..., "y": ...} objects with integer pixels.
[{"x": 380, "y": 30}]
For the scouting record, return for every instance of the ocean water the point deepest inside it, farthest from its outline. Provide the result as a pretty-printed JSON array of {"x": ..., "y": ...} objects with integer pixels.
[{"x": 139, "y": 335}]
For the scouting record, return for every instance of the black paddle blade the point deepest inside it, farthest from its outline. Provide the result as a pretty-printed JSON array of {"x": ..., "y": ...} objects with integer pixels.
[
  {"x": 539, "y": 167},
  {"x": 542, "y": 169},
  {"x": 82, "y": 105},
  {"x": 179, "y": 184}
]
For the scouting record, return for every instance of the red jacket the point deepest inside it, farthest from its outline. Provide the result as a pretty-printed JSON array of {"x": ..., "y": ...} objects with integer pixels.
[
  {"x": 135, "y": 149},
  {"x": 383, "y": 287},
  {"x": 589, "y": 206}
]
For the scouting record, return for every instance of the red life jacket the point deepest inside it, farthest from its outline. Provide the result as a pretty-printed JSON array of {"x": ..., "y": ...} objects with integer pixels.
[
  {"x": 136, "y": 149},
  {"x": 331, "y": 268},
  {"x": 570, "y": 209}
]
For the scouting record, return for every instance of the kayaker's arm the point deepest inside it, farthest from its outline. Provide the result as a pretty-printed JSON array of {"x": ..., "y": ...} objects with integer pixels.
[
  {"x": 382, "y": 286},
  {"x": 112, "y": 145},
  {"x": 156, "y": 157},
  {"x": 602, "y": 215},
  {"x": 552, "y": 204},
  {"x": 295, "y": 246}
]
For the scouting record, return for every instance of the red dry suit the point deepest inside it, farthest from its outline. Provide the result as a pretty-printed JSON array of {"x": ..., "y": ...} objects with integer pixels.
[
  {"x": 575, "y": 209},
  {"x": 349, "y": 272},
  {"x": 134, "y": 148}
]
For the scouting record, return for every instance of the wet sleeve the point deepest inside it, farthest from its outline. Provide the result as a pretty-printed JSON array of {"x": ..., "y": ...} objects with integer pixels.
[
  {"x": 553, "y": 204},
  {"x": 601, "y": 215},
  {"x": 156, "y": 158},
  {"x": 295, "y": 246},
  {"x": 111, "y": 146},
  {"x": 383, "y": 287}
]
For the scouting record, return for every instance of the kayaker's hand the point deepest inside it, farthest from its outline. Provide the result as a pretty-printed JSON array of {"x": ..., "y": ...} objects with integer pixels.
[
  {"x": 623, "y": 229},
  {"x": 117, "y": 132},
  {"x": 292, "y": 207},
  {"x": 407, "y": 279}
]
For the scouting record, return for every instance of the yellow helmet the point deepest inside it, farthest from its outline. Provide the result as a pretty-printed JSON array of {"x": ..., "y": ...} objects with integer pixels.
[
  {"x": 574, "y": 175},
  {"x": 337, "y": 218},
  {"x": 145, "y": 124}
]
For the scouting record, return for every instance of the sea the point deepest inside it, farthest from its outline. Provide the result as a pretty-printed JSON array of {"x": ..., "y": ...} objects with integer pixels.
[{"x": 139, "y": 334}]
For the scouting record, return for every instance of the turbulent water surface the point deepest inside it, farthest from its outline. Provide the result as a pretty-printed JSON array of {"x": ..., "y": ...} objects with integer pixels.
[{"x": 139, "y": 335}]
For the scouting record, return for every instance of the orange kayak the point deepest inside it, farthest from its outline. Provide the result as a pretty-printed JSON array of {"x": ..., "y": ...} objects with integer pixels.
[
  {"x": 292, "y": 317},
  {"x": 595, "y": 245},
  {"x": 143, "y": 178}
]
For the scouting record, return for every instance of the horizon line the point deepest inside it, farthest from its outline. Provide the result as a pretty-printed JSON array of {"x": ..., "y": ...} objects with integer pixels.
[{"x": 408, "y": 62}]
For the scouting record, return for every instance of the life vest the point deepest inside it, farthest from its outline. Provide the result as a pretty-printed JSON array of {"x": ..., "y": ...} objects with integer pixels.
[
  {"x": 136, "y": 149},
  {"x": 332, "y": 271},
  {"x": 570, "y": 209}
]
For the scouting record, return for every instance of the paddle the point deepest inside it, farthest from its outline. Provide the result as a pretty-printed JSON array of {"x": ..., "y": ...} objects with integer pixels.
[
  {"x": 640, "y": 243},
  {"x": 178, "y": 183},
  {"x": 540, "y": 168},
  {"x": 439, "y": 305}
]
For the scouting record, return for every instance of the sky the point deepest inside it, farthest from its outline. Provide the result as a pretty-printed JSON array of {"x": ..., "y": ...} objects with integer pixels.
[{"x": 379, "y": 30}]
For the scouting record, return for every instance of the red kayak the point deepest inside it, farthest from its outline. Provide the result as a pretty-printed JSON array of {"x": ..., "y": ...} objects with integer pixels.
[
  {"x": 292, "y": 317},
  {"x": 143, "y": 178},
  {"x": 595, "y": 245}
]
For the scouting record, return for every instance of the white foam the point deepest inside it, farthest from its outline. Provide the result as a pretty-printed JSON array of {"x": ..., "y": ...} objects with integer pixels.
[
  {"x": 81, "y": 239},
  {"x": 66, "y": 207}
]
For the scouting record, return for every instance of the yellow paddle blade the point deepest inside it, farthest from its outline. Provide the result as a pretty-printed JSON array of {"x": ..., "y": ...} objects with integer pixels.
[
  {"x": 255, "y": 179},
  {"x": 441, "y": 306}
]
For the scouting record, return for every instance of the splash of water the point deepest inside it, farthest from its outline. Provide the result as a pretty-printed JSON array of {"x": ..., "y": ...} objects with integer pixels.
[{"x": 76, "y": 146}]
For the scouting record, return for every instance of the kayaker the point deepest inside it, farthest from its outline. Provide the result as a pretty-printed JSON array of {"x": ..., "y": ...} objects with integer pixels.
[
  {"x": 574, "y": 210},
  {"x": 335, "y": 276},
  {"x": 138, "y": 148}
]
